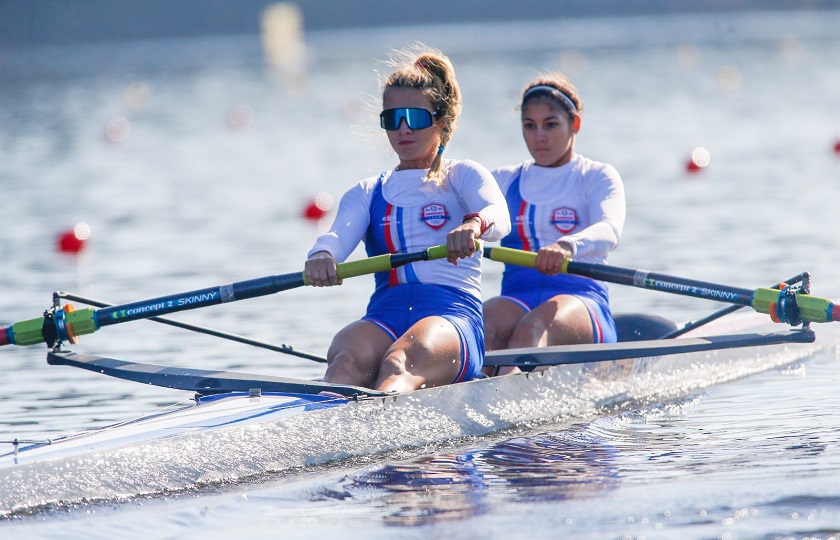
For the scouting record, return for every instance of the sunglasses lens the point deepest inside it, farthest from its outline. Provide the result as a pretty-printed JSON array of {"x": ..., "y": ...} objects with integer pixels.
[{"x": 391, "y": 119}]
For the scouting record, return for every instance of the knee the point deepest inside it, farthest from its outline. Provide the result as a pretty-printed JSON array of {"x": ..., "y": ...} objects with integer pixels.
[
  {"x": 528, "y": 325},
  {"x": 497, "y": 330},
  {"x": 494, "y": 338},
  {"x": 500, "y": 320},
  {"x": 348, "y": 368},
  {"x": 395, "y": 362},
  {"x": 528, "y": 333}
]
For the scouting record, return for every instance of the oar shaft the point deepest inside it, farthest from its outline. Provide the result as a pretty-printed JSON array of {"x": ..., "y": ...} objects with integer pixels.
[
  {"x": 281, "y": 348},
  {"x": 253, "y": 288},
  {"x": 87, "y": 321},
  {"x": 727, "y": 310},
  {"x": 771, "y": 301},
  {"x": 163, "y": 305},
  {"x": 660, "y": 282}
]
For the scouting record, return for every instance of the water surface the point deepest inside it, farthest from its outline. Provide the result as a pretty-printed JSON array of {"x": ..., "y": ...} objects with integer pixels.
[{"x": 192, "y": 197}]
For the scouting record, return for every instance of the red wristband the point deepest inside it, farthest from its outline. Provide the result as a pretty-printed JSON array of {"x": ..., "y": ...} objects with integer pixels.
[{"x": 484, "y": 225}]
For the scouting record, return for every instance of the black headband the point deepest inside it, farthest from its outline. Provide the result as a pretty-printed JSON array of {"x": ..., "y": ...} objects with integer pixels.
[{"x": 554, "y": 92}]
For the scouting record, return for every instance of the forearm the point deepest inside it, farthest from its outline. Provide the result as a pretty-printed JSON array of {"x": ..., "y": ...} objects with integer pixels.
[{"x": 594, "y": 241}]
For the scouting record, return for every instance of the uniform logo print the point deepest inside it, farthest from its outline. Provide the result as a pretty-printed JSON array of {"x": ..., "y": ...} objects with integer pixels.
[
  {"x": 565, "y": 219},
  {"x": 434, "y": 215}
]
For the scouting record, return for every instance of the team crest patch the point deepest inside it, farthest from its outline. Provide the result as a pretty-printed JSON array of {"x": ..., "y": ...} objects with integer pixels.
[
  {"x": 565, "y": 219},
  {"x": 434, "y": 215}
]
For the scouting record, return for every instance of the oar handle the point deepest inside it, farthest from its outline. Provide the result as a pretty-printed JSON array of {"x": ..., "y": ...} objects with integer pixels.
[
  {"x": 383, "y": 263},
  {"x": 65, "y": 324},
  {"x": 775, "y": 302},
  {"x": 517, "y": 257}
]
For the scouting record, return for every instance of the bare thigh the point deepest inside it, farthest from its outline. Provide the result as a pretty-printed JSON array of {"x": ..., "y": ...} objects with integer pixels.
[
  {"x": 355, "y": 354},
  {"x": 501, "y": 316},
  {"x": 561, "y": 320},
  {"x": 428, "y": 354}
]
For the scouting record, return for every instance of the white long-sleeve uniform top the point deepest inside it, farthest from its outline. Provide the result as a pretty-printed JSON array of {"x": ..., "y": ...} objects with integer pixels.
[
  {"x": 581, "y": 202},
  {"x": 400, "y": 212}
]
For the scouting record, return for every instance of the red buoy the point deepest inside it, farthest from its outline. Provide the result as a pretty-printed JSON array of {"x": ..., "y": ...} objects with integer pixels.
[
  {"x": 69, "y": 243},
  {"x": 319, "y": 207},
  {"x": 313, "y": 212},
  {"x": 837, "y": 147},
  {"x": 692, "y": 167},
  {"x": 74, "y": 241},
  {"x": 700, "y": 159}
]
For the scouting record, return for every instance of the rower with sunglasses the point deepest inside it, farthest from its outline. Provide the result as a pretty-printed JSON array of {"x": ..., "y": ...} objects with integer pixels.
[
  {"x": 423, "y": 325},
  {"x": 565, "y": 206}
]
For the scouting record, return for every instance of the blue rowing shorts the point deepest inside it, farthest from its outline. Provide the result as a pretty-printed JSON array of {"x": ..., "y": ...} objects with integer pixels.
[
  {"x": 395, "y": 309},
  {"x": 603, "y": 325}
]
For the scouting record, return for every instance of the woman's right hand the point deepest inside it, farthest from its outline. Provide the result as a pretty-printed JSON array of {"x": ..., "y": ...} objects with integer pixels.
[
  {"x": 550, "y": 258},
  {"x": 321, "y": 270}
]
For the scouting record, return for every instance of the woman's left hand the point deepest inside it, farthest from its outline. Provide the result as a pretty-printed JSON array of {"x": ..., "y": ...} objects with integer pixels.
[
  {"x": 551, "y": 257},
  {"x": 460, "y": 242}
]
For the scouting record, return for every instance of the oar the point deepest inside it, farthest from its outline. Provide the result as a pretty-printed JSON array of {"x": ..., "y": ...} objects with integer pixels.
[
  {"x": 783, "y": 305},
  {"x": 726, "y": 311},
  {"x": 65, "y": 324},
  {"x": 282, "y": 348}
]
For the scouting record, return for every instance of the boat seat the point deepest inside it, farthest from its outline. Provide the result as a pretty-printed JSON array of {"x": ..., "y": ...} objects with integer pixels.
[{"x": 641, "y": 326}]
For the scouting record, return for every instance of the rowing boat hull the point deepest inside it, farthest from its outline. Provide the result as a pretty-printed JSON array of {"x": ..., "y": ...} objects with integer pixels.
[{"x": 233, "y": 437}]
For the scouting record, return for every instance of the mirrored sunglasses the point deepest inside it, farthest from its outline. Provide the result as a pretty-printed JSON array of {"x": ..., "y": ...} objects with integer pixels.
[{"x": 391, "y": 119}]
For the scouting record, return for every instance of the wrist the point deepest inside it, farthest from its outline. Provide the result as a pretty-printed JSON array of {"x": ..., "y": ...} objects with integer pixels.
[
  {"x": 569, "y": 246},
  {"x": 482, "y": 223},
  {"x": 323, "y": 254}
]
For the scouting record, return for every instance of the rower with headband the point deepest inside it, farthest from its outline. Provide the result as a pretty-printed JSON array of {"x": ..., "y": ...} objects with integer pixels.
[{"x": 564, "y": 206}]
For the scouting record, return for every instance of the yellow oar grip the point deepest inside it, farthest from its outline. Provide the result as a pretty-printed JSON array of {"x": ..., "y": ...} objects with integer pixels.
[
  {"x": 371, "y": 265},
  {"x": 440, "y": 252},
  {"x": 383, "y": 263},
  {"x": 518, "y": 257}
]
